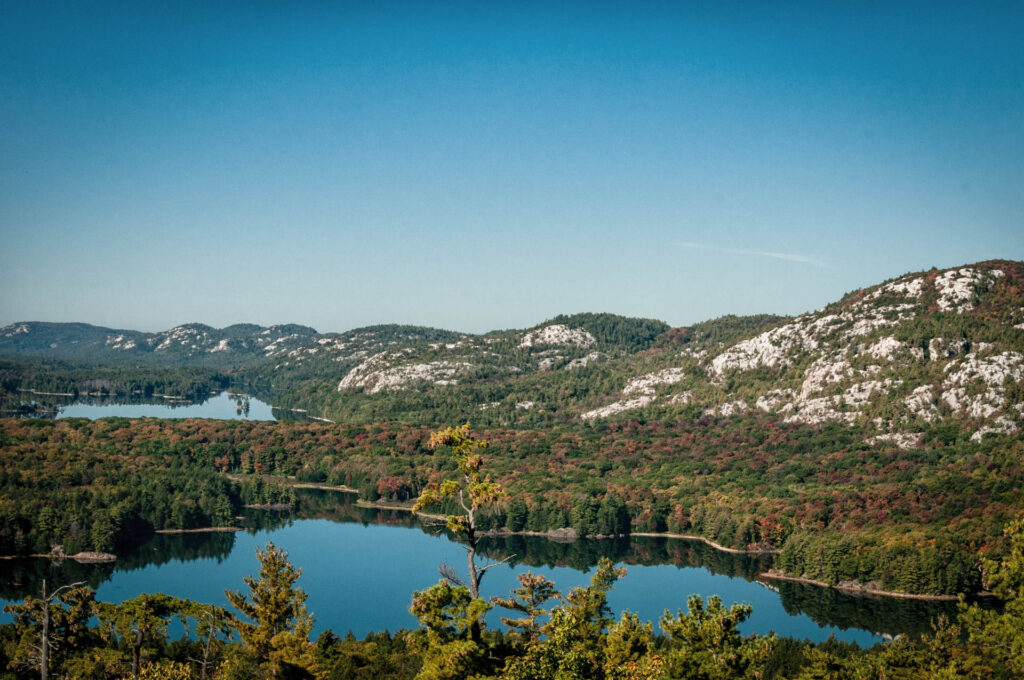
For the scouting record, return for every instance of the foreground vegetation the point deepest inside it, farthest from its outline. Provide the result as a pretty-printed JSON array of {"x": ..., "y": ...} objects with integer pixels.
[{"x": 549, "y": 636}]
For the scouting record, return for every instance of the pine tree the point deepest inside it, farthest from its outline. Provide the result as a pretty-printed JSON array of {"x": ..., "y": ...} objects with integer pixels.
[
  {"x": 279, "y": 637},
  {"x": 472, "y": 491},
  {"x": 535, "y": 591},
  {"x": 450, "y": 648},
  {"x": 55, "y": 623},
  {"x": 140, "y": 619}
]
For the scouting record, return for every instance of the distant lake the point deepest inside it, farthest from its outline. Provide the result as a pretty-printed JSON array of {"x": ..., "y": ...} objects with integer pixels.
[
  {"x": 360, "y": 567},
  {"x": 224, "y": 406}
]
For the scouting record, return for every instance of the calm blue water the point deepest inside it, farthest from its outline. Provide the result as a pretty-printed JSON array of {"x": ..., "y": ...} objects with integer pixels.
[
  {"x": 221, "y": 406},
  {"x": 361, "y": 578}
]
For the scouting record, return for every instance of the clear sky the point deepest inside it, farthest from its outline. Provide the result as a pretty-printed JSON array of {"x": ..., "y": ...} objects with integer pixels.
[{"x": 476, "y": 166}]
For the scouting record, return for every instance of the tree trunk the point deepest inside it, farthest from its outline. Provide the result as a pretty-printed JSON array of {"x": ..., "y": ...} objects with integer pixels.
[
  {"x": 206, "y": 653},
  {"x": 136, "y": 652},
  {"x": 44, "y": 651},
  {"x": 474, "y": 575},
  {"x": 474, "y": 580}
]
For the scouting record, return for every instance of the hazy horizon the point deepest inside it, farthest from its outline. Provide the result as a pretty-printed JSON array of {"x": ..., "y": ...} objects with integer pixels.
[{"x": 458, "y": 330}]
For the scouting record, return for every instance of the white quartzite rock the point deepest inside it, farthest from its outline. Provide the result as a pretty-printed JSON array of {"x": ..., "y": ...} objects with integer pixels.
[{"x": 557, "y": 334}]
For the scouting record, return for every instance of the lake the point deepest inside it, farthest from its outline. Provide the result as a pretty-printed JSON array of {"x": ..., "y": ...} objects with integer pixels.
[
  {"x": 224, "y": 406},
  {"x": 361, "y": 566}
]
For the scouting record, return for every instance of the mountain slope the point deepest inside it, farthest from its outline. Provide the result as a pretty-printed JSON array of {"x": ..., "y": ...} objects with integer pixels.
[
  {"x": 895, "y": 359},
  {"x": 921, "y": 349},
  {"x": 502, "y": 377},
  {"x": 192, "y": 344}
]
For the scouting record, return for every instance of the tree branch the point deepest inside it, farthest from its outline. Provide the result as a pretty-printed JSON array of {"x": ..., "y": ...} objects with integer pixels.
[
  {"x": 64, "y": 587},
  {"x": 485, "y": 567}
]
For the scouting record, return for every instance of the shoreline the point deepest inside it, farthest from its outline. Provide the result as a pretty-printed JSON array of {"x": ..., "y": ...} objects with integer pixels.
[
  {"x": 201, "y": 530},
  {"x": 554, "y": 533},
  {"x": 46, "y": 394},
  {"x": 567, "y": 534},
  {"x": 383, "y": 506},
  {"x": 557, "y": 535},
  {"x": 864, "y": 590},
  {"x": 324, "y": 487},
  {"x": 716, "y": 546},
  {"x": 303, "y": 410},
  {"x": 84, "y": 557}
]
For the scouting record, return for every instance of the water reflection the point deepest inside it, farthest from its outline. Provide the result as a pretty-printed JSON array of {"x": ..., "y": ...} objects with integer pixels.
[
  {"x": 536, "y": 551},
  {"x": 225, "y": 405},
  {"x": 887, "y": 616},
  {"x": 880, "y": 615},
  {"x": 21, "y": 577}
]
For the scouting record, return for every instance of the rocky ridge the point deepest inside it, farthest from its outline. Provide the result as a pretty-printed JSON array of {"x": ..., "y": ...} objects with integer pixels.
[
  {"x": 189, "y": 344},
  {"x": 877, "y": 357},
  {"x": 896, "y": 359}
]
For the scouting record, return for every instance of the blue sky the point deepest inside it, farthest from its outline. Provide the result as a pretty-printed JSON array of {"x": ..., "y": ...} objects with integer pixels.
[{"x": 477, "y": 166}]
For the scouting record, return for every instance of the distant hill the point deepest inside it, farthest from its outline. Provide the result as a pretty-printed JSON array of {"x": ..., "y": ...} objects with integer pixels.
[
  {"x": 896, "y": 359},
  {"x": 899, "y": 357},
  {"x": 193, "y": 344}
]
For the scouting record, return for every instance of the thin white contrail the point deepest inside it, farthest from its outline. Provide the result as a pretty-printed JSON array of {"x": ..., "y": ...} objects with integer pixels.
[{"x": 791, "y": 257}]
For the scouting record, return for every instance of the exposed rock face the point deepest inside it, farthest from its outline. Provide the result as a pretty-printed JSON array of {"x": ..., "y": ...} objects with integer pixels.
[
  {"x": 618, "y": 407},
  {"x": 376, "y": 374},
  {"x": 590, "y": 358},
  {"x": 856, "y": 362},
  {"x": 822, "y": 373},
  {"x": 557, "y": 334},
  {"x": 729, "y": 408},
  {"x": 188, "y": 344},
  {"x": 641, "y": 390},
  {"x": 958, "y": 287},
  {"x": 771, "y": 348},
  {"x": 840, "y": 382},
  {"x": 885, "y": 349},
  {"x": 553, "y": 347},
  {"x": 646, "y": 384},
  {"x": 921, "y": 349},
  {"x": 907, "y": 287},
  {"x": 920, "y": 403},
  {"x": 902, "y": 440},
  {"x": 976, "y": 388}
]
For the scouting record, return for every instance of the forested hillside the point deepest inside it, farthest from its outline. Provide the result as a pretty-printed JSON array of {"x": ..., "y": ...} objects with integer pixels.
[
  {"x": 925, "y": 349},
  {"x": 192, "y": 344},
  {"x": 839, "y": 509},
  {"x": 895, "y": 360},
  {"x": 874, "y": 441},
  {"x": 26, "y": 385}
]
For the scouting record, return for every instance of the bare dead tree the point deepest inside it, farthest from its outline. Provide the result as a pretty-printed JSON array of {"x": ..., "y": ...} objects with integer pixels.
[{"x": 39, "y": 612}]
